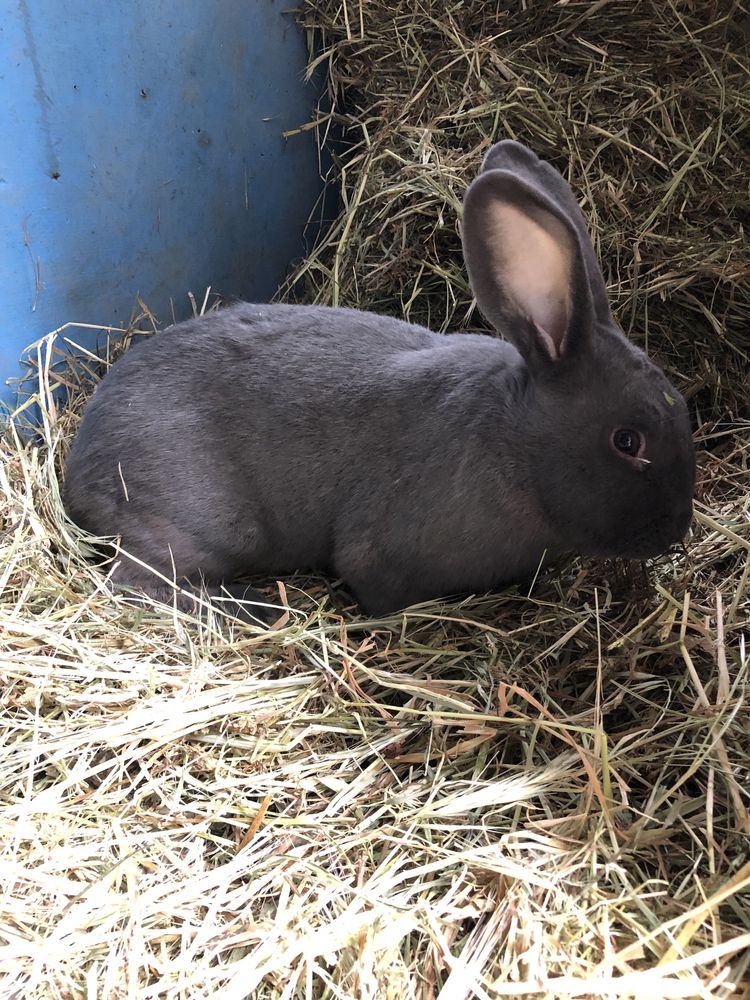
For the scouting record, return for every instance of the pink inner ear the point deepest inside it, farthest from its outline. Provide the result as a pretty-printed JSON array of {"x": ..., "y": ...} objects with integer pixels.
[
  {"x": 551, "y": 320},
  {"x": 532, "y": 257}
]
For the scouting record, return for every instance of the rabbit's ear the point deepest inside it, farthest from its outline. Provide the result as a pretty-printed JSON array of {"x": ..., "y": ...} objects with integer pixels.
[
  {"x": 519, "y": 160},
  {"x": 525, "y": 266}
]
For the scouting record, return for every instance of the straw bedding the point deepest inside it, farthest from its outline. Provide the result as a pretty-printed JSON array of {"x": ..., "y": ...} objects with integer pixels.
[{"x": 519, "y": 794}]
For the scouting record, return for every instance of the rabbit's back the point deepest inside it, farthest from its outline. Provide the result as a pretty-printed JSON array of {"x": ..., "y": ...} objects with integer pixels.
[{"x": 251, "y": 434}]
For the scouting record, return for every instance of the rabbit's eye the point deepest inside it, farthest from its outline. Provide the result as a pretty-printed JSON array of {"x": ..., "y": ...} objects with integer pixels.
[{"x": 627, "y": 442}]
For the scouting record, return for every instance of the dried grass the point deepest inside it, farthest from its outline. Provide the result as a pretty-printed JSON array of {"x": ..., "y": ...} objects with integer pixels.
[{"x": 535, "y": 794}]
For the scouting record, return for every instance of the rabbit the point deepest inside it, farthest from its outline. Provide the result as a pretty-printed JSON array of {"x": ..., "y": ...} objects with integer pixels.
[{"x": 413, "y": 465}]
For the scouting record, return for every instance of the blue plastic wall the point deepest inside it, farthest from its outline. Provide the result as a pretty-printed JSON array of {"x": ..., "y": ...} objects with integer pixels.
[{"x": 141, "y": 152}]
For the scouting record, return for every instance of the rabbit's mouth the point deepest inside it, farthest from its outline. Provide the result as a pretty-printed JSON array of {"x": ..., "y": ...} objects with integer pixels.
[
  {"x": 652, "y": 539},
  {"x": 659, "y": 539}
]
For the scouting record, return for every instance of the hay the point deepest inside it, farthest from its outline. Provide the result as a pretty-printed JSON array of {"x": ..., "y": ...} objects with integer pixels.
[
  {"x": 644, "y": 105},
  {"x": 513, "y": 795}
]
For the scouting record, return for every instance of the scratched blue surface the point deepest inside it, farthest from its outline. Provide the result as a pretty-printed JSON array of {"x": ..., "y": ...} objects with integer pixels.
[{"x": 141, "y": 153}]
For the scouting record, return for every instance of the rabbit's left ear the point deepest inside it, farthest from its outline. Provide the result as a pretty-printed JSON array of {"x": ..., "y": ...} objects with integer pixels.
[
  {"x": 519, "y": 160},
  {"x": 526, "y": 267}
]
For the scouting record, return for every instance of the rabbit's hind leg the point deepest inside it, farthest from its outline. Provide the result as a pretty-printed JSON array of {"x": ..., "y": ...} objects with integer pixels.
[{"x": 191, "y": 594}]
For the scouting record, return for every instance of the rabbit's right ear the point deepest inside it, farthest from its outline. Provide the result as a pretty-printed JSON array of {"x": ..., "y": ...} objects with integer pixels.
[{"x": 526, "y": 267}]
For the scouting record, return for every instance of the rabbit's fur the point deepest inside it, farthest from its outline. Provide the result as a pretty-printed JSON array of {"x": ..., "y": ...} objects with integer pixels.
[{"x": 269, "y": 438}]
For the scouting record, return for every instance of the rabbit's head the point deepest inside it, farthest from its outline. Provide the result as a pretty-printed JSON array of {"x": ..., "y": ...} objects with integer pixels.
[{"x": 604, "y": 435}]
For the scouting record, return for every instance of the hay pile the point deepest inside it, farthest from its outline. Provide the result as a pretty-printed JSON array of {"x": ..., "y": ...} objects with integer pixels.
[
  {"x": 644, "y": 105},
  {"x": 513, "y": 795}
]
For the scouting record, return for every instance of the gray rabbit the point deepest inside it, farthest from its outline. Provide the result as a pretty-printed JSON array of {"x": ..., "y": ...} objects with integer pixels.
[{"x": 269, "y": 438}]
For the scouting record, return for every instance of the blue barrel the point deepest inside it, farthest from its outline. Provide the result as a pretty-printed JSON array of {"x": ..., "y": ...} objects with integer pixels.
[{"x": 142, "y": 153}]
